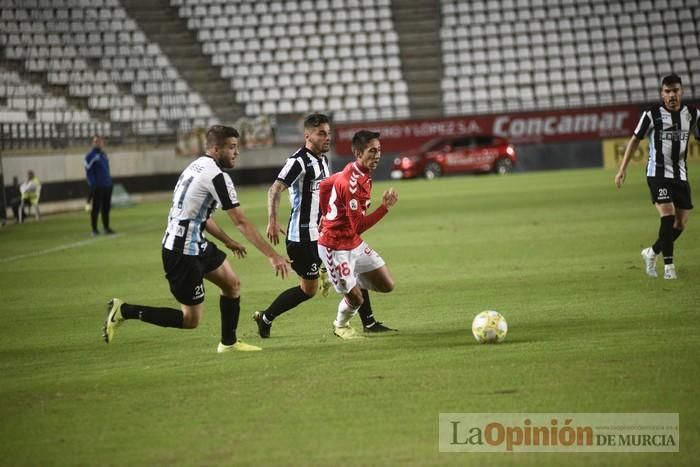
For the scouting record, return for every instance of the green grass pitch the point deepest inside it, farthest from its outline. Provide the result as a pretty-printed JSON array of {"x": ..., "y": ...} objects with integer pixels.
[{"x": 556, "y": 252}]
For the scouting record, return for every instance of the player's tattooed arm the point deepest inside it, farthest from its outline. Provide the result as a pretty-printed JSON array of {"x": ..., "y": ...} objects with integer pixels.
[{"x": 273, "y": 204}]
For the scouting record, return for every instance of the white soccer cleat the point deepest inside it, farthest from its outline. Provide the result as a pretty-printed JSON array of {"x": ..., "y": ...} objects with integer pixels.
[
  {"x": 670, "y": 272},
  {"x": 649, "y": 258}
]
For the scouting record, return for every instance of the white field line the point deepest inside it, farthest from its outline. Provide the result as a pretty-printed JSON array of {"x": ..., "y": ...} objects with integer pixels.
[{"x": 55, "y": 249}]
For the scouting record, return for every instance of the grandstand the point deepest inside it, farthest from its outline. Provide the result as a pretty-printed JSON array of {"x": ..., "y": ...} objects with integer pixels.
[
  {"x": 538, "y": 55},
  {"x": 136, "y": 69}
]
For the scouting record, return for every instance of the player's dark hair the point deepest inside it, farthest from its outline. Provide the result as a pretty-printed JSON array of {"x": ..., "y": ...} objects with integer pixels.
[
  {"x": 361, "y": 139},
  {"x": 315, "y": 120},
  {"x": 671, "y": 80},
  {"x": 218, "y": 134}
]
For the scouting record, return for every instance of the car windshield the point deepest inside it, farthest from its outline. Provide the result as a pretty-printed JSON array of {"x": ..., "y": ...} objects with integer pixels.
[{"x": 433, "y": 144}]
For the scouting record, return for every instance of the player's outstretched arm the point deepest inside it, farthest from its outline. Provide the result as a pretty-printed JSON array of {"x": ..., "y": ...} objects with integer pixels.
[
  {"x": 278, "y": 262},
  {"x": 273, "y": 204},
  {"x": 362, "y": 223},
  {"x": 213, "y": 228},
  {"x": 631, "y": 148}
]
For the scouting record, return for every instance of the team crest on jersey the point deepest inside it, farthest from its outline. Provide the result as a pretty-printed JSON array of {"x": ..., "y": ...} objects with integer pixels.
[{"x": 353, "y": 204}]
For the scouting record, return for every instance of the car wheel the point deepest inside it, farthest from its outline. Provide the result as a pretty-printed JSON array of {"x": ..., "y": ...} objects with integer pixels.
[
  {"x": 503, "y": 166},
  {"x": 432, "y": 170}
]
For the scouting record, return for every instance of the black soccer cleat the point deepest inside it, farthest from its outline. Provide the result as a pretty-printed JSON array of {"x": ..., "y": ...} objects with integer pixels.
[
  {"x": 263, "y": 327},
  {"x": 377, "y": 327}
]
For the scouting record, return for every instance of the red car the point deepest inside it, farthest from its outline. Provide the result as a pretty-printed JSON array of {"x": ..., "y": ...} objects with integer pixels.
[{"x": 455, "y": 154}]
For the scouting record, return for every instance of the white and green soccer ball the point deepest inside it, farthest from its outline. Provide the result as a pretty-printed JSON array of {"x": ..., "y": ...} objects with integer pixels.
[{"x": 489, "y": 327}]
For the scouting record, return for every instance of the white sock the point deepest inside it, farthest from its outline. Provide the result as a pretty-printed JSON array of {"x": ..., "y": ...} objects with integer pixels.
[{"x": 345, "y": 313}]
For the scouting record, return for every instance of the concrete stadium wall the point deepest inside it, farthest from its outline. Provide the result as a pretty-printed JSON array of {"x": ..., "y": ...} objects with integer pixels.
[
  {"x": 145, "y": 173},
  {"x": 140, "y": 170},
  {"x": 124, "y": 162}
]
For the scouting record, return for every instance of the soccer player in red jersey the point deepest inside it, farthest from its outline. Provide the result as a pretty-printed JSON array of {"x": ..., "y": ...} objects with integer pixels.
[{"x": 344, "y": 199}]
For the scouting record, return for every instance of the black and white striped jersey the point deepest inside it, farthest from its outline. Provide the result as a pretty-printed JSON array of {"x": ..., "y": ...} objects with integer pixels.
[
  {"x": 302, "y": 173},
  {"x": 669, "y": 134},
  {"x": 202, "y": 187}
]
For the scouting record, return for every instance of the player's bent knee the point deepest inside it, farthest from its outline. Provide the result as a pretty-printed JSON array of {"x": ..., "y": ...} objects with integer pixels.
[
  {"x": 309, "y": 289},
  {"x": 386, "y": 286},
  {"x": 232, "y": 288},
  {"x": 190, "y": 319}
]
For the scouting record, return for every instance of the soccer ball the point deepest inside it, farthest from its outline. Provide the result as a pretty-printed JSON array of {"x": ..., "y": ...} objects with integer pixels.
[{"x": 489, "y": 327}]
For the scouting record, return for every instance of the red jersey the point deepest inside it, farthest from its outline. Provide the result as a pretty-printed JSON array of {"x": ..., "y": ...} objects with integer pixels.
[{"x": 344, "y": 198}]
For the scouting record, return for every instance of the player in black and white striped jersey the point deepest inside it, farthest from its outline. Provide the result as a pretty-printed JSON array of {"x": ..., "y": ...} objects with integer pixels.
[
  {"x": 188, "y": 257},
  {"x": 668, "y": 127}
]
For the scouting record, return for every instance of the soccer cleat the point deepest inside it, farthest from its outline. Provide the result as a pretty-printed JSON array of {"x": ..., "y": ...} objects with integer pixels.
[
  {"x": 377, "y": 327},
  {"x": 649, "y": 258},
  {"x": 670, "y": 272},
  {"x": 263, "y": 327},
  {"x": 325, "y": 282},
  {"x": 237, "y": 346},
  {"x": 345, "y": 332},
  {"x": 114, "y": 319}
]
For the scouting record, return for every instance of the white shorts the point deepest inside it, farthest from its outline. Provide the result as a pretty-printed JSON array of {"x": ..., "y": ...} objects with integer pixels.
[{"x": 344, "y": 266}]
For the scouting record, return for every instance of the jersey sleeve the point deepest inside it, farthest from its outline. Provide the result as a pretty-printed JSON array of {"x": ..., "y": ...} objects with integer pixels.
[
  {"x": 361, "y": 223},
  {"x": 225, "y": 192},
  {"x": 291, "y": 171},
  {"x": 355, "y": 208},
  {"x": 644, "y": 125},
  {"x": 696, "y": 122}
]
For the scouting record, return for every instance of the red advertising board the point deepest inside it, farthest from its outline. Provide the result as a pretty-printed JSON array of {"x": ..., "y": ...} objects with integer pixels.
[{"x": 526, "y": 127}]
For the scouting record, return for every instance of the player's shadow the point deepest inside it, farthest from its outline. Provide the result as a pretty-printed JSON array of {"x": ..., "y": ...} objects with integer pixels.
[{"x": 454, "y": 338}]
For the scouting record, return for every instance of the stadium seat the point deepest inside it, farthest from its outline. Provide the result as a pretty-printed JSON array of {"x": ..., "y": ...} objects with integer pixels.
[{"x": 64, "y": 35}]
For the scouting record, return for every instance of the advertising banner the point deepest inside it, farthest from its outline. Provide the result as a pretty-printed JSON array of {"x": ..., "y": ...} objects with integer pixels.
[
  {"x": 525, "y": 127},
  {"x": 614, "y": 150}
]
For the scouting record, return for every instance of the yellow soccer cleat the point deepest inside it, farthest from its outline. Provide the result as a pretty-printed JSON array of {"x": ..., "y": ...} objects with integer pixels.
[
  {"x": 238, "y": 346},
  {"x": 325, "y": 282},
  {"x": 114, "y": 319},
  {"x": 346, "y": 332}
]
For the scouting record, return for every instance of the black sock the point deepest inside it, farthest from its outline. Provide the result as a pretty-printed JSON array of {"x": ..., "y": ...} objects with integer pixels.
[
  {"x": 285, "y": 301},
  {"x": 365, "y": 310},
  {"x": 230, "y": 311},
  {"x": 666, "y": 238},
  {"x": 165, "y": 317},
  {"x": 657, "y": 246}
]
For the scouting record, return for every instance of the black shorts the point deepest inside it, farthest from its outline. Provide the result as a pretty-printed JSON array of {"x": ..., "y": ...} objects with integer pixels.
[
  {"x": 305, "y": 260},
  {"x": 667, "y": 190},
  {"x": 185, "y": 273}
]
